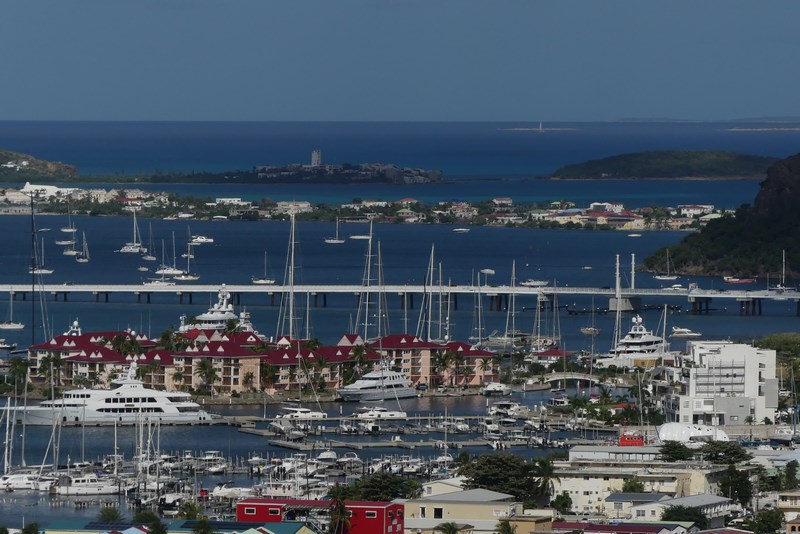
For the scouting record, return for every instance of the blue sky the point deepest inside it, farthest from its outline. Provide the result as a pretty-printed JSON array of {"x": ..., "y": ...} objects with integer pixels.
[{"x": 394, "y": 60}]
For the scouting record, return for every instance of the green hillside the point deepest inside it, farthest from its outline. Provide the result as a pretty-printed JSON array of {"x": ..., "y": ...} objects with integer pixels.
[
  {"x": 669, "y": 164},
  {"x": 16, "y": 167},
  {"x": 751, "y": 242}
]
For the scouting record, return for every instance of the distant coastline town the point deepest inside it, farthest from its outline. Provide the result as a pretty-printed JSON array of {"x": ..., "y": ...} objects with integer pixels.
[{"x": 499, "y": 211}]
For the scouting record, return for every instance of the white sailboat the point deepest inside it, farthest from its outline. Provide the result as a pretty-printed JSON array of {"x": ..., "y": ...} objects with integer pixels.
[
  {"x": 187, "y": 275},
  {"x": 666, "y": 276},
  {"x": 335, "y": 240},
  {"x": 39, "y": 268},
  {"x": 83, "y": 255},
  {"x": 148, "y": 256},
  {"x": 134, "y": 246},
  {"x": 781, "y": 287},
  {"x": 265, "y": 280},
  {"x": 165, "y": 269},
  {"x": 10, "y": 324},
  {"x": 70, "y": 228}
]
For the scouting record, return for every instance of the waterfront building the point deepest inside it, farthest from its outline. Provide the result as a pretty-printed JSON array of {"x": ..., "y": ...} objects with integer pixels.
[
  {"x": 593, "y": 473},
  {"x": 718, "y": 383},
  {"x": 480, "y": 508},
  {"x": 316, "y": 157}
]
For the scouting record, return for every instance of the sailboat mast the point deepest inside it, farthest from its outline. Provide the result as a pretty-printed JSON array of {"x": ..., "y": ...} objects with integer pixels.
[
  {"x": 618, "y": 298},
  {"x": 291, "y": 277}
]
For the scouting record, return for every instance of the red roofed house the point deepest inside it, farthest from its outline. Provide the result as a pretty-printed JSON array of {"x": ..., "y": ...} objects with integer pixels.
[{"x": 366, "y": 517}]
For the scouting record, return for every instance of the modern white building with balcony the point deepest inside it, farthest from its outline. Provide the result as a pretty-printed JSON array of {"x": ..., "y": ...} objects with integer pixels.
[{"x": 719, "y": 383}]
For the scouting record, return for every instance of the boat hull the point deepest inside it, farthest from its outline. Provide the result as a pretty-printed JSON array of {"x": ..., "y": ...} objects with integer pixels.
[
  {"x": 36, "y": 416},
  {"x": 376, "y": 394}
]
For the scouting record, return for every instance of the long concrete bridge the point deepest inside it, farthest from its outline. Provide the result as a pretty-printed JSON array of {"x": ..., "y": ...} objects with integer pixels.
[{"x": 750, "y": 301}]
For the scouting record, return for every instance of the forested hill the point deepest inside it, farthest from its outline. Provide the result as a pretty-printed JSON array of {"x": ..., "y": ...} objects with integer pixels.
[
  {"x": 749, "y": 243},
  {"x": 15, "y": 166},
  {"x": 669, "y": 164}
]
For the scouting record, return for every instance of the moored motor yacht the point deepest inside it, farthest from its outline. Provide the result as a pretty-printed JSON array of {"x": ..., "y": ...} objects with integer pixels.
[
  {"x": 200, "y": 240},
  {"x": 379, "y": 412},
  {"x": 301, "y": 414},
  {"x": 496, "y": 388},
  {"x": 640, "y": 347},
  {"x": 683, "y": 332},
  {"x": 128, "y": 401},
  {"x": 530, "y": 282},
  {"x": 378, "y": 385}
]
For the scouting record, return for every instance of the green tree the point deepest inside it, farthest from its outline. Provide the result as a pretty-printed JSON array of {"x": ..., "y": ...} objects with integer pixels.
[
  {"x": 735, "y": 484},
  {"x": 545, "y": 474},
  {"x": 505, "y": 527},
  {"x": 505, "y": 473},
  {"x": 447, "y": 528},
  {"x": 675, "y": 451},
  {"x": 724, "y": 452},
  {"x": 157, "y": 527},
  {"x": 685, "y": 513},
  {"x": 340, "y": 520},
  {"x": 767, "y": 522},
  {"x": 633, "y": 485},
  {"x": 790, "y": 475},
  {"x": 386, "y": 486},
  {"x": 203, "y": 526},
  {"x": 145, "y": 517},
  {"x": 110, "y": 514},
  {"x": 3, "y": 529},
  {"x": 189, "y": 510},
  {"x": 207, "y": 373},
  {"x": 562, "y": 503},
  {"x": 31, "y": 528}
]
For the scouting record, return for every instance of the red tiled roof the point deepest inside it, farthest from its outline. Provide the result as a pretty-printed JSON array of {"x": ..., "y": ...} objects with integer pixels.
[{"x": 217, "y": 349}]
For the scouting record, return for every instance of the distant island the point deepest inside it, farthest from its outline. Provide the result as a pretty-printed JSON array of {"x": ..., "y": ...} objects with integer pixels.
[
  {"x": 15, "y": 166},
  {"x": 669, "y": 164}
]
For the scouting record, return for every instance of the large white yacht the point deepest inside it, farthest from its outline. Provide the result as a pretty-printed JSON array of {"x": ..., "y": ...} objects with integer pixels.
[
  {"x": 127, "y": 402},
  {"x": 378, "y": 385},
  {"x": 639, "y": 348},
  {"x": 218, "y": 316}
]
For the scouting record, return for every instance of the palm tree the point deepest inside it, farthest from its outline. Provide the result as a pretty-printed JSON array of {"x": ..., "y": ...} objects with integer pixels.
[
  {"x": 359, "y": 359},
  {"x": 207, "y": 372},
  {"x": 458, "y": 365},
  {"x": 110, "y": 514},
  {"x": 340, "y": 517},
  {"x": 267, "y": 373},
  {"x": 505, "y": 527},
  {"x": 248, "y": 379},
  {"x": 178, "y": 377},
  {"x": 441, "y": 362},
  {"x": 605, "y": 395},
  {"x": 545, "y": 474},
  {"x": 448, "y": 528}
]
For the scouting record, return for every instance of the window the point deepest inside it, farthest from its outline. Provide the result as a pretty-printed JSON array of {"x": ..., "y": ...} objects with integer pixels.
[
  {"x": 652, "y": 512},
  {"x": 437, "y": 513},
  {"x": 274, "y": 511},
  {"x": 249, "y": 511},
  {"x": 371, "y": 514},
  {"x": 639, "y": 513},
  {"x": 617, "y": 506},
  {"x": 422, "y": 512}
]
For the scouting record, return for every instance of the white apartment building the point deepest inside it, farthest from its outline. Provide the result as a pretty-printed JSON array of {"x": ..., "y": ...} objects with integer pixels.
[{"x": 720, "y": 382}]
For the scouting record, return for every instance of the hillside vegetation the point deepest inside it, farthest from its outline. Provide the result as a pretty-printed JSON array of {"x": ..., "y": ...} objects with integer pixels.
[
  {"x": 750, "y": 242},
  {"x": 669, "y": 164},
  {"x": 17, "y": 167}
]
